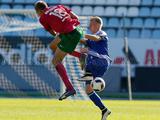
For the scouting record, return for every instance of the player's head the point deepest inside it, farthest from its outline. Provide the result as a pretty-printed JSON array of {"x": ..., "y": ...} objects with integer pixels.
[
  {"x": 96, "y": 24},
  {"x": 40, "y": 7}
]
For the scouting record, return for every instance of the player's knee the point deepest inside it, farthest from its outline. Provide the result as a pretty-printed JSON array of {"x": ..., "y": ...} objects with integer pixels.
[{"x": 89, "y": 89}]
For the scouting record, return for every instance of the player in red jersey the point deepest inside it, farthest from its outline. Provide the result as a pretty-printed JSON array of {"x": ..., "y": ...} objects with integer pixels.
[{"x": 62, "y": 22}]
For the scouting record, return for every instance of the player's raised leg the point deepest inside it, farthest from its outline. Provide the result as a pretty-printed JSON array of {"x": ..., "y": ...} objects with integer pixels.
[{"x": 57, "y": 61}]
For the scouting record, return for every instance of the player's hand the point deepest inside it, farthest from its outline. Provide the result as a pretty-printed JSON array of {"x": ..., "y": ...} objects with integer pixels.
[{"x": 84, "y": 50}]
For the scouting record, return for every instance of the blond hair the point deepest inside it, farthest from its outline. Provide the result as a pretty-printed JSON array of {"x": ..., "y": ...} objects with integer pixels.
[{"x": 97, "y": 19}]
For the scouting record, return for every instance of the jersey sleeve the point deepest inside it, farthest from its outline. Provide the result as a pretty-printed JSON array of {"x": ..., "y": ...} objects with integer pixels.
[{"x": 44, "y": 24}]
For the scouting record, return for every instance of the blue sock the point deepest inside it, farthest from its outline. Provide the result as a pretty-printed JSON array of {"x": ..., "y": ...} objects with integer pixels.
[{"x": 96, "y": 100}]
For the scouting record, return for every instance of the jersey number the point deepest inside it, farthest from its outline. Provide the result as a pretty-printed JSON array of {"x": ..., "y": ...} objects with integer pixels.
[{"x": 60, "y": 14}]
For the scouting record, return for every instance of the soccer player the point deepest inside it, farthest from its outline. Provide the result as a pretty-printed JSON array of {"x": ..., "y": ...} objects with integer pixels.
[
  {"x": 62, "y": 22},
  {"x": 97, "y": 61}
]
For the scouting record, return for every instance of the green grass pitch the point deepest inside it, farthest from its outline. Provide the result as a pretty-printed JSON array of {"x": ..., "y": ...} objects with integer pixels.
[{"x": 49, "y": 109}]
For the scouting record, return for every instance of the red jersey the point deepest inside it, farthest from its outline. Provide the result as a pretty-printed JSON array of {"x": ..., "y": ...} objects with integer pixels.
[{"x": 58, "y": 18}]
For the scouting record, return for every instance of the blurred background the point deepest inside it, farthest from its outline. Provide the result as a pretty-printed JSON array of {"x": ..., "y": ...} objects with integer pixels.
[{"x": 25, "y": 68}]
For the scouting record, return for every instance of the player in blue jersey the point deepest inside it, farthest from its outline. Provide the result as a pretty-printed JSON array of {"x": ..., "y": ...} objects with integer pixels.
[{"x": 97, "y": 61}]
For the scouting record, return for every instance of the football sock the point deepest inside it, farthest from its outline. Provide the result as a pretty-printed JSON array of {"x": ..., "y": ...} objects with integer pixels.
[
  {"x": 97, "y": 100},
  {"x": 75, "y": 54},
  {"x": 63, "y": 74}
]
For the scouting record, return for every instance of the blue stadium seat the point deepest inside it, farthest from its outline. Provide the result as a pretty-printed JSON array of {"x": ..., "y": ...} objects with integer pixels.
[
  {"x": 127, "y": 22},
  {"x": 113, "y": 22},
  {"x": 157, "y": 2},
  {"x": 76, "y": 1},
  {"x": 99, "y": 11},
  {"x": 29, "y": 7},
  {"x": 19, "y": 1},
  {"x": 88, "y": 2},
  {"x": 146, "y": 33},
  {"x": 100, "y": 2},
  {"x": 156, "y": 34},
  {"x": 66, "y": 1},
  {"x": 158, "y": 23},
  {"x": 149, "y": 22},
  {"x": 110, "y": 11},
  {"x": 122, "y": 2},
  {"x": 147, "y": 2},
  {"x": 77, "y": 10},
  {"x": 18, "y": 7},
  {"x": 53, "y": 1},
  {"x": 120, "y": 33},
  {"x": 89, "y": 10},
  {"x": 133, "y": 11},
  {"x": 144, "y": 11},
  {"x": 137, "y": 22},
  {"x": 111, "y": 33},
  {"x": 134, "y": 2},
  {"x": 111, "y": 2},
  {"x": 6, "y": 1},
  {"x": 40, "y": 32},
  {"x": 134, "y": 33},
  {"x": 155, "y": 11},
  {"x": 5, "y": 6},
  {"x": 27, "y": 19},
  {"x": 30, "y": 1},
  {"x": 104, "y": 22},
  {"x": 121, "y": 11},
  {"x": 18, "y": 17}
]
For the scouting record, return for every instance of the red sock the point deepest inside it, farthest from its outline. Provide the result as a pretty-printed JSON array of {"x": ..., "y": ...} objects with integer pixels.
[
  {"x": 63, "y": 74},
  {"x": 75, "y": 54}
]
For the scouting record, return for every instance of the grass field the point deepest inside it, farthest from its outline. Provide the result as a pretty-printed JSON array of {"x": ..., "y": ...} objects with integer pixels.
[{"x": 48, "y": 109}]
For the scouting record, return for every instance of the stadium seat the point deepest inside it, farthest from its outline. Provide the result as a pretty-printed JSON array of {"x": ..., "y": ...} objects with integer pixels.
[
  {"x": 99, "y": 11},
  {"x": 18, "y": 7},
  {"x": 100, "y": 2},
  {"x": 158, "y": 23},
  {"x": 121, "y": 11},
  {"x": 112, "y": 2},
  {"x": 134, "y": 33},
  {"x": 87, "y": 10},
  {"x": 156, "y": 34},
  {"x": 144, "y": 11},
  {"x": 30, "y": 1},
  {"x": 66, "y": 1},
  {"x": 120, "y": 33},
  {"x": 77, "y": 10},
  {"x": 156, "y": 2},
  {"x": 53, "y": 1},
  {"x": 29, "y": 7},
  {"x": 77, "y": 1},
  {"x": 110, "y": 11},
  {"x": 18, "y": 17},
  {"x": 6, "y": 1},
  {"x": 5, "y": 7},
  {"x": 137, "y": 22},
  {"x": 127, "y": 22},
  {"x": 133, "y": 11},
  {"x": 146, "y": 33},
  {"x": 122, "y": 2},
  {"x": 149, "y": 22},
  {"x": 111, "y": 33},
  {"x": 90, "y": 2},
  {"x": 134, "y": 2},
  {"x": 113, "y": 22},
  {"x": 155, "y": 12},
  {"x": 19, "y": 1},
  {"x": 104, "y": 22},
  {"x": 147, "y": 2},
  {"x": 40, "y": 32}
]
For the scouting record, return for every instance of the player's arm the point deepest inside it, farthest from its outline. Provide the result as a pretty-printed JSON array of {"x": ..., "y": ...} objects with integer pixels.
[
  {"x": 52, "y": 32},
  {"x": 93, "y": 37}
]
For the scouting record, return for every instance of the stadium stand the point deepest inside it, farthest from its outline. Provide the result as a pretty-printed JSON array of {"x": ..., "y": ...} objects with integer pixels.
[{"x": 142, "y": 16}]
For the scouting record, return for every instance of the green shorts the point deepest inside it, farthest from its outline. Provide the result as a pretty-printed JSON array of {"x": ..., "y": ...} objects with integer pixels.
[{"x": 70, "y": 40}]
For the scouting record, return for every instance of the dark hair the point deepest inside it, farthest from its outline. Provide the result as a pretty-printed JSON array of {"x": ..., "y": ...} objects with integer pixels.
[{"x": 40, "y": 5}]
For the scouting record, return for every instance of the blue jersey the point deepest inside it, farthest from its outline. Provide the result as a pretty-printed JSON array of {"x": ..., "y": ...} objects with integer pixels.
[{"x": 98, "y": 59}]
